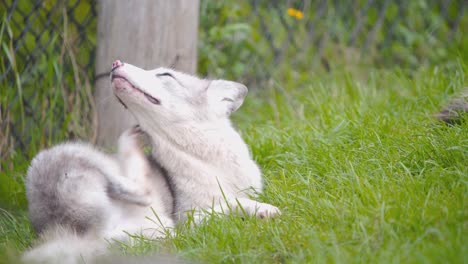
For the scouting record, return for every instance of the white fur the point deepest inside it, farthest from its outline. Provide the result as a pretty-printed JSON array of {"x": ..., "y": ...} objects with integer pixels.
[
  {"x": 111, "y": 196},
  {"x": 64, "y": 246},
  {"x": 208, "y": 163}
]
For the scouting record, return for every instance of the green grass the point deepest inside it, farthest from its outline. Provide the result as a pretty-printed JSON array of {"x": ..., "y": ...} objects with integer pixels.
[{"x": 359, "y": 167}]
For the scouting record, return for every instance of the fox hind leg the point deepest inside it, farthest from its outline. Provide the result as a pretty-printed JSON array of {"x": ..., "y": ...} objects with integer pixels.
[{"x": 132, "y": 185}]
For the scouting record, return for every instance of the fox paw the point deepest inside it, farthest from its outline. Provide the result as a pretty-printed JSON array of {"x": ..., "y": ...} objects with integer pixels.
[
  {"x": 130, "y": 140},
  {"x": 267, "y": 211}
]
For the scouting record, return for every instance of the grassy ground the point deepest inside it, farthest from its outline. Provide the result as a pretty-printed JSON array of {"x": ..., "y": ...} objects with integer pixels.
[{"x": 359, "y": 167}]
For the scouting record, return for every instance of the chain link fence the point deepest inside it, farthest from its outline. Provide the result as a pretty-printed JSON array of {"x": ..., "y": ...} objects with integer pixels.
[
  {"x": 46, "y": 72},
  {"x": 48, "y": 51}
]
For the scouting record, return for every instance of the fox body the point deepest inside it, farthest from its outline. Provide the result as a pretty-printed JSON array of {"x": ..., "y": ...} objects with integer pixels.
[{"x": 187, "y": 118}]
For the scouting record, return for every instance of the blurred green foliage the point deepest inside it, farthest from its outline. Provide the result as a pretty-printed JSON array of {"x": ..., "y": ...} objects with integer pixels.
[{"x": 258, "y": 40}]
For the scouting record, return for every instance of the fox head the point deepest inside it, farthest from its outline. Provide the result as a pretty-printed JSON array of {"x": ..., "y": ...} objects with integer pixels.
[{"x": 166, "y": 95}]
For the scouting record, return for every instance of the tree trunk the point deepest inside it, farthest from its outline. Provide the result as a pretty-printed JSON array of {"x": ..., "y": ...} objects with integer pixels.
[{"x": 147, "y": 34}]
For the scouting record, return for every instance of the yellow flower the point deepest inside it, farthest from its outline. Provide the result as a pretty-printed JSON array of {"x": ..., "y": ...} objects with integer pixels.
[{"x": 295, "y": 13}]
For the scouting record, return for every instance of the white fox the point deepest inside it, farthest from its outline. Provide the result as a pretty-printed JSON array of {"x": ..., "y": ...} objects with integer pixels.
[
  {"x": 209, "y": 165},
  {"x": 80, "y": 197}
]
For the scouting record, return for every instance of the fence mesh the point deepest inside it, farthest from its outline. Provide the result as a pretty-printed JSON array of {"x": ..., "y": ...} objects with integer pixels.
[
  {"x": 48, "y": 50},
  {"x": 46, "y": 69}
]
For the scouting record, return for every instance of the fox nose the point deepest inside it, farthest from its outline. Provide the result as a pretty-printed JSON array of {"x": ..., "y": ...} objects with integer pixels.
[{"x": 116, "y": 64}]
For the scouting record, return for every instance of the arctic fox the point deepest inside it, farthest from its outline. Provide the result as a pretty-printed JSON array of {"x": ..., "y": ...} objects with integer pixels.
[
  {"x": 79, "y": 197},
  {"x": 209, "y": 165}
]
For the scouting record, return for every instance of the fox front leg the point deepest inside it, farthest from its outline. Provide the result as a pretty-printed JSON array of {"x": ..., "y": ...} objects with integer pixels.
[
  {"x": 253, "y": 208},
  {"x": 240, "y": 206}
]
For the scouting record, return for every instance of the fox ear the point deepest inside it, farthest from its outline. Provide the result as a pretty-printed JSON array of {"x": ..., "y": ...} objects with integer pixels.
[{"x": 226, "y": 96}]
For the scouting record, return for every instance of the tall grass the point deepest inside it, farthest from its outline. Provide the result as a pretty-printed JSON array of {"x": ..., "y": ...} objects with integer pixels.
[
  {"x": 45, "y": 105},
  {"x": 46, "y": 92}
]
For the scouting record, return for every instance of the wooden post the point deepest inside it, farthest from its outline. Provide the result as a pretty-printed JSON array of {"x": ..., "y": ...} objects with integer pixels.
[{"x": 147, "y": 34}]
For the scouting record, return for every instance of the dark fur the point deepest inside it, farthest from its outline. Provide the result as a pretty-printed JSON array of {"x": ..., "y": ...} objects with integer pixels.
[{"x": 456, "y": 109}]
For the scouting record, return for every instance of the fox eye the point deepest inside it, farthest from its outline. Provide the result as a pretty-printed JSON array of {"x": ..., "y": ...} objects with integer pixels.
[{"x": 165, "y": 74}]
